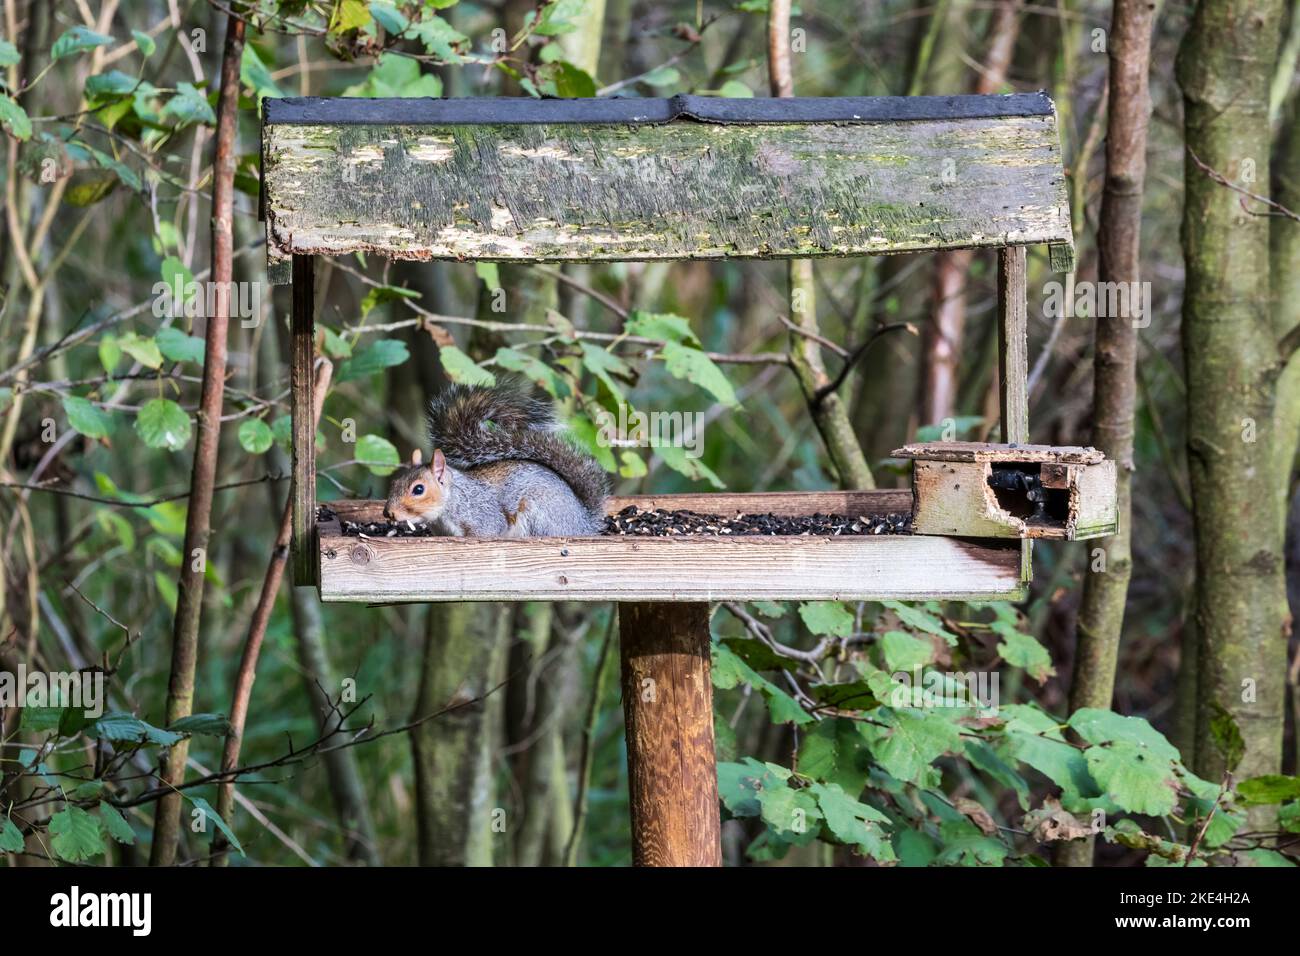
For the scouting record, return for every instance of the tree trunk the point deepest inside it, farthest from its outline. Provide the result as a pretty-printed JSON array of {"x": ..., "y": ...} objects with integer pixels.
[
  {"x": 1224, "y": 68},
  {"x": 464, "y": 657},
  {"x": 829, "y": 412},
  {"x": 194, "y": 555},
  {"x": 1110, "y": 563}
]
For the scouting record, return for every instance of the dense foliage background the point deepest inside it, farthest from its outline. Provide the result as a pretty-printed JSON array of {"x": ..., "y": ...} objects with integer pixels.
[{"x": 109, "y": 112}]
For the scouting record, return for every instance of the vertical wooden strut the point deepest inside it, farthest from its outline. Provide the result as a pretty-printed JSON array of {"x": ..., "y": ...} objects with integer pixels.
[
  {"x": 668, "y": 714},
  {"x": 1013, "y": 364},
  {"x": 304, "y": 559},
  {"x": 1013, "y": 343}
]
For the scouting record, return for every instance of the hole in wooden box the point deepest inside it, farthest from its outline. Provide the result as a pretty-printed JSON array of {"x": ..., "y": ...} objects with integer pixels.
[{"x": 1021, "y": 491}]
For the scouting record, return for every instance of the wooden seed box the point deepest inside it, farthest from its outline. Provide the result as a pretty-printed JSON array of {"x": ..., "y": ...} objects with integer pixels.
[{"x": 1011, "y": 490}]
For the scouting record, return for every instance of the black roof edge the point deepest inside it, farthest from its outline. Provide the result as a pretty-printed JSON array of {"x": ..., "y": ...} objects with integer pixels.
[{"x": 500, "y": 111}]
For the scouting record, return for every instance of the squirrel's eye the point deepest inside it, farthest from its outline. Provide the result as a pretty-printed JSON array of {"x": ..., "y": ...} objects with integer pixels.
[{"x": 418, "y": 490}]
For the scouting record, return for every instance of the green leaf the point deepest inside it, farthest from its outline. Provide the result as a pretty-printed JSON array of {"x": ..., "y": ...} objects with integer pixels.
[
  {"x": 9, "y": 55},
  {"x": 75, "y": 835},
  {"x": 585, "y": 433},
  {"x": 377, "y": 356},
  {"x": 562, "y": 78},
  {"x": 1098, "y": 726},
  {"x": 117, "y": 725},
  {"x": 189, "y": 106},
  {"x": 560, "y": 17},
  {"x": 739, "y": 786},
  {"x": 903, "y": 652},
  {"x": 967, "y": 845},
  {"x": 835, "y": 752},
  {"x": 253, "y": 73},
  {"x": 349, "y": 15},
  {"x": 255, "y": 436},
  {"x": 827, "y": 617},
  {"x": 489, "y": 273},
  {"x": 377, "y": 454},
  {"x": 919, "y": 619},
  {"x": 115, "y": 824},
  {"x": 396, "y": 76},
  {"x": 144, "y": 42},
  {"x": 161, "y": 423},
  {"x": 110, "y": 353},
  {"x": 534, "y": 369},
  {"x": 143, "y": 350},
  {"x": 14, "y": 119},
  {"x": 793, "y": 814},
  {"x": 604, "y": 364},
  {"x": 440, "y": 38},
  {"x": 208, "y": 725},
  {"x": 729, "y": 670},
  {"x": 215, "y": 817},
  {"x": 11, "y": 838},
  {"x": 734, "y": 89},
  {"x": 381, "y": 294},
  {"x": 462, "y": 369},
  {"x": 77, "y": 40},
  {"x": 662, "y": 76},
  {"x": 336, "y": 346},
  {"x": 110, "y": 84},
  {"x": 853, "y": 822},
  {"x": 695, "y": 366},
  {"x": 1135, "y": 778},
  {"x": 36, "y": 718},
  {"x": 85, "y": 418},
  {"x": 911, "y": 742},
  {"x": 1021, "y": 650},
  {"x": 1269, "y": 788},
  {"x": 89, "y": 189},
  {"x": 663, "y": 326},
  {"x": 682, "y": 463},
  {"x": 179, "y": 347},
  {"x": 388, "y": 17}
]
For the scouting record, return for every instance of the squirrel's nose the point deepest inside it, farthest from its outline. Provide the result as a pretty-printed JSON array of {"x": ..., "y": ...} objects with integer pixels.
[{"x": 387, "y": 513}]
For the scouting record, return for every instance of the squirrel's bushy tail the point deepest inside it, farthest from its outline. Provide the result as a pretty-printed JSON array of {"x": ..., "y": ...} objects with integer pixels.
[{"x": 477, "y": 425}]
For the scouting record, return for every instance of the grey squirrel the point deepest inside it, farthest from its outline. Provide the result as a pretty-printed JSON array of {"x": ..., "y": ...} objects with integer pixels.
[{"x": 499, "y": 468}]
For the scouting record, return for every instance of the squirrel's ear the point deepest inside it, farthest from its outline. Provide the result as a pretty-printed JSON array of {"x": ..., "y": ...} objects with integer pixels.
[
  {"x": 439, "y": 464},
  {"x": 416, "y": 457}
]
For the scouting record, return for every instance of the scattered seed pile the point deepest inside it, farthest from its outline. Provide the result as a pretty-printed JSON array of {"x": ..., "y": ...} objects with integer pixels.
[
  {"x": 660, "y": 523},
  {"x": 663, "y": 524}
]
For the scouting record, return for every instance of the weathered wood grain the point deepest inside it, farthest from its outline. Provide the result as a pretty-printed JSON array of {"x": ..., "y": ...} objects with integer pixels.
[
  {"x": 953, "y": 497},
  {"x": 855, "y": 503},
  {"x": 573, "y": 192},
  {"x": 1013, "y": 344},
  {"x": 302, "y": 354},
  {"x": 668, "y": 715},
  {"x": 879, "y": 567},
  {"x": 990, "y": 451}
]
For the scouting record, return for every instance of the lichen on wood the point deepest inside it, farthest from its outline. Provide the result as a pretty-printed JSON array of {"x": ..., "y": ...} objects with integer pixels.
[{"x": 681, "y": 190}]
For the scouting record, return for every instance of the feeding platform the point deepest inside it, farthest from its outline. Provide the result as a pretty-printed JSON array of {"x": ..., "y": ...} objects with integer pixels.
[
  {"x": 523, "y": 180},
  {"x": 690, "y": 177}
]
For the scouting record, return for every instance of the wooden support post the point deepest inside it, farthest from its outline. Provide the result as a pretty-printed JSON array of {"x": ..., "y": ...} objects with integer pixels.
[
  {"x": 668, "y": 713},
  {"x": 1013, "y": 363},
  {"x": 1013, "y": 343},
  {"x": 304, "y": 556}
]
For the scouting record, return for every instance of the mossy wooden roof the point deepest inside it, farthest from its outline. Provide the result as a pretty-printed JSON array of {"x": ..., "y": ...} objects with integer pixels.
[{"x": 687, "y": 177}]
